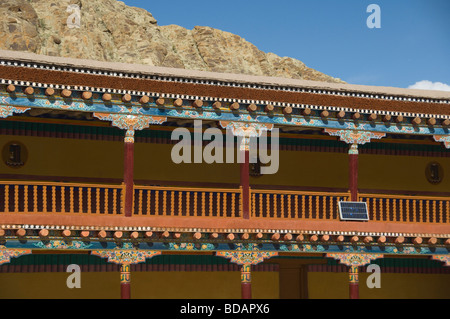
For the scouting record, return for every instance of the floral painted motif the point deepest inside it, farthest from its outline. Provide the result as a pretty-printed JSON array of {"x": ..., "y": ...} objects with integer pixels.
[
  {"x": 7, "y": 254},
  {"x": 354, "y": 260},
  {"x": 8, "y": 110},
  {"x": 246, "y": 257},
  {"x": 355, "y": 137},
  {"x": 444, "y": 139},
  {"x": 60, "y": 244},
  {"x": 444, "y": 258},
  {"x": 125, "y": 257}
]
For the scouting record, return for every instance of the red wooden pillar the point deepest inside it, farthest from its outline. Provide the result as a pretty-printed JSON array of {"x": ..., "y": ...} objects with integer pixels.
[
  {"x": 246, "y": 281},
  {"x": 245, "y": 184},
  {"x": 125, "y": 281},
  {"x": 128, "y": 173},
  {"x": 353, "y": 172},
  {"x": 354, "y": 283}
]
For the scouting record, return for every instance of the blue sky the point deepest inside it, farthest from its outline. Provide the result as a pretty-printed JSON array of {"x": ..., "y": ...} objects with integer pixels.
[{"x": 332, "y": 36}]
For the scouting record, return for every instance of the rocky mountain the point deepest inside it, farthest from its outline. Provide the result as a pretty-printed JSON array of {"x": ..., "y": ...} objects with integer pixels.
[{"x": 109, "y": 30}]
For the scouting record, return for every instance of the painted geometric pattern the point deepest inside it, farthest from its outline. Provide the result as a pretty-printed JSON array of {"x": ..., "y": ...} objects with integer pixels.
[
  {"x": 131, "y": 122},
  {"x": 128, "y": 257},
  {"x": 354, "y": 259},
  {"x": 7, "y": 254},
  {"x": 355, "y": 137},
  {"x": 444, "y": 139},
  {"x": 246, "y": 257},
  {"x": 444, "y": 258},
  {"x": 8, "y": 110}
]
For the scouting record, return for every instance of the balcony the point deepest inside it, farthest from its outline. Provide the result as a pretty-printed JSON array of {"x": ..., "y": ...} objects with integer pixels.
[{"x": 99, "y": 204}]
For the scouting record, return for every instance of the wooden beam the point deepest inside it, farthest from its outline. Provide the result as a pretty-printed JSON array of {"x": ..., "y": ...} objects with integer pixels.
[
  {"x": 10, "y": 88},
  {"x": 269, "y": 108},
  {"x": 66, "y": 93},
  {"x": 144, "y": 99},
  {"x": 126, "y": 98},
  {"x": 252, "y": 108},
  {"x": 276, "y": 237},
  {"x": 197, "y": 103},
  {"x": 235, "y": 106},
  {"x": 86, "y": 95},
  {"x": 106, "y": 97},
  {"x": 28, "y": 90},
  {"x": 287, "y": 110},
  {"x": 43, "y": 233},
  {"x": 49, "y": 91}
]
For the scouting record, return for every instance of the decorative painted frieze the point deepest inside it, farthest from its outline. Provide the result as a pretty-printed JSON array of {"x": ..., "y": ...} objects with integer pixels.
[
  {"x": 444, "y": 139},
  {"x": 246, "y": 131},
  {"x": 125, "y": 257},
  {"x": 9, "y": 110},
  {"x": 7, "y": 254}
]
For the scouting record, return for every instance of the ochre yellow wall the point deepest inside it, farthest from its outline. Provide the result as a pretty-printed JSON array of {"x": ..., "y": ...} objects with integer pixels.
[
  {"x": 103, "y": 159},
  {"x": 145, "y": 285},
  {"x": 322, "y": 285}
]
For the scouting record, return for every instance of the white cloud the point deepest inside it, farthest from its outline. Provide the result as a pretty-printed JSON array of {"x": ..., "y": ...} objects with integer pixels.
[{"x": 428, "y": 85}]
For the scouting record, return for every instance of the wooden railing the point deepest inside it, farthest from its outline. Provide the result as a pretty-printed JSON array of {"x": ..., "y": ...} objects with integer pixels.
[
  {"x": 296, "y": 205},
  {"x": 407, "y": 209},
  {"x": 69, "y": 198},
  {"x": 179, "y": 202},
  {"x": 65, "y": 198}
]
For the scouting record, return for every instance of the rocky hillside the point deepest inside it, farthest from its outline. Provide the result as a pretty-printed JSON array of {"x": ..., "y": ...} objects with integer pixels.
[{"x": 112, "y": 31}]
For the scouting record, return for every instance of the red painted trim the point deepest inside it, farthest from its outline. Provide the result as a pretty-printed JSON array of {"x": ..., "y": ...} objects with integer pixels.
[
  {"x": 221, "y": 223},
  {"x": 246, "y": 290},
  {"x": 353, "y": 177},
  {"x": 128, "y": 178},
  {"x": 125, "y": 291},
  {"x": 117, "y": 181},
  {"x": 353, "y": 291},
  {"x": 245, "y": 184}
]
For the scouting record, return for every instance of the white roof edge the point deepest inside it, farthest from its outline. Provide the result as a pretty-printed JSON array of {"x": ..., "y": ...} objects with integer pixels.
[{"x": 214, "y": 76}]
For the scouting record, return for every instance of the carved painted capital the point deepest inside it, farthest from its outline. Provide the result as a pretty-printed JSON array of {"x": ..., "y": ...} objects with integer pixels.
[
  {"x": 354, "y": 260},
  {"x": 444, "y": 139},
  {"x": 8, "y": 110},
  {"x": 125, "y": 257},
  {"x": 7, "y": 254},
  {"x": 130, "y": 123},
  {"x": 355, "y": 137},
  {"x": 246, "y": 257},
  {"x": 246, "y": 131},
  {"x": 444, "y": 258}
]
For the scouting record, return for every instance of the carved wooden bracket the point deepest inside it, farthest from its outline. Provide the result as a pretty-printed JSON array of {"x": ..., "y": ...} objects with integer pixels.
[
  {"x": 444, "y": 258},
  {"x": 246, "y": 131},
  {"x": 7, "y": 254},
  {"x": 131, "y": 123},
  {"x": 125, "y": 257},
  {"x": 355, "y": 138},
  {"x": 8, "y": 110},
  {"x": 444, "y": 139}
]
